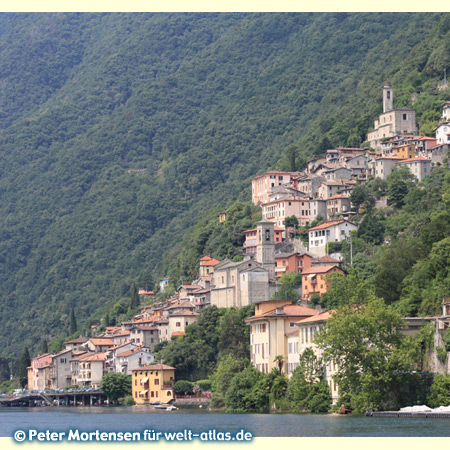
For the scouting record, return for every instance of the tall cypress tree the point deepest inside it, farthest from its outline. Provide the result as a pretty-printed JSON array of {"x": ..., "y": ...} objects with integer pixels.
[
  {"x": 135, "y": 300},
  {"x": 73, "y": 322},
  {"x": 24, "y": 362},
  {"x": 44, "y": 348}
]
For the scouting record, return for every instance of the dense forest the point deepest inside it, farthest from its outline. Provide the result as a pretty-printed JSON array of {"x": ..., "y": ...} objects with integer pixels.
[{"x": 120, "y": 132}]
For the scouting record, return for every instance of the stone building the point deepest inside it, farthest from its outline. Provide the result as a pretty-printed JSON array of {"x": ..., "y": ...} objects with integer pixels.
[
  {"x": 392, "y": 122},
  {"x": 242, "y": 283}
]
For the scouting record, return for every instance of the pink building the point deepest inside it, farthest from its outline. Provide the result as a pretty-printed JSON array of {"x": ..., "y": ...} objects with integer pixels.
[
  {"x": 263, "y": 184},
  {"x": 277, "y": 210}
]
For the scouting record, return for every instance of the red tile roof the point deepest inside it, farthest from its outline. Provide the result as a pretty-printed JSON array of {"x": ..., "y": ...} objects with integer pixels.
[
  {"x": 97, "y": 341},
  {"x": 288, "y": 311},
  {"x": 323, "y": 316},
  {"x": 93, "y": 357},
  {"x": 419, "y": 159},
  {"x": 327, "y": 224},
  {"x": 319, "y": 269},
  {"x": 155, "y": 367}
]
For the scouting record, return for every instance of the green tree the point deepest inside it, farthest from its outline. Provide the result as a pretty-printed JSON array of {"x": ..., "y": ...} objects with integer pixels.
[
  {"x": 221, "y": 379},
  {"x": 440, "y": 391},
  {"x": 24, "y": 362},
  {"x": 116, "y": 386},
  {"x": 183, "y": 387},
  {"x": 362, "y": 196},
  {"x": 135, "y": 300},
  {"x": 372, "y": 228},
  {"x": 73, "y": 322},
  {"x": 369, "y": 363},
  {"x": 247, "y": 392},
  {"x": 291, "y": 221},
  {"x": 311, "y": 366},
  {"x": 290, "y": 282},
  {"x": 279, "y": 359},
  {"x": 44, "y": 348},
  {"x": 107, "y": 320},
  {"x": 399, "y": 182}
]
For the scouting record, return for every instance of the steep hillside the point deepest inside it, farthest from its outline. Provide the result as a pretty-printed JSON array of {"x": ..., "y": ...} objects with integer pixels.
[{"x": 120, "y": 131}]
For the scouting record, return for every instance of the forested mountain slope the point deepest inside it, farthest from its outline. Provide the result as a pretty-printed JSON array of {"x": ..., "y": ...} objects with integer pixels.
[{"x": 120, "y": 131}]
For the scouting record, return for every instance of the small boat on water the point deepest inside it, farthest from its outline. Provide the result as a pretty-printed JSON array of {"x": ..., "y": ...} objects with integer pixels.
[{"x": 166, "y": 407}]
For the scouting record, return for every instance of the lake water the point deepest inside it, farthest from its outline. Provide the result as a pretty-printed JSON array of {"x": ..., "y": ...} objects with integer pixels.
[{"x": 139, "y": 418}]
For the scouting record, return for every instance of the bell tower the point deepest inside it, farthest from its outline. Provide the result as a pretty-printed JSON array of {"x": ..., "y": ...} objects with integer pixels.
[
  {"x": 388, "y": 97},
  {"x": 265, "y": 246}
]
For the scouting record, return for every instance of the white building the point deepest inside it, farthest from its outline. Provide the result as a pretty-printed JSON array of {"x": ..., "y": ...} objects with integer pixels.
[{"x": 332, "y": 231}]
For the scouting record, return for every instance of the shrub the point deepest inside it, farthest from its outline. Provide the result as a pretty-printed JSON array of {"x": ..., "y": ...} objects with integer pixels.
[{"x": 183, "y": 387}]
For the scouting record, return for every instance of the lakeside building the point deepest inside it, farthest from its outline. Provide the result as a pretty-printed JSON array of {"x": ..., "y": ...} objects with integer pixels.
[
  {"x": 153, "y": 384},
  {"x": 273, "y": 321}
]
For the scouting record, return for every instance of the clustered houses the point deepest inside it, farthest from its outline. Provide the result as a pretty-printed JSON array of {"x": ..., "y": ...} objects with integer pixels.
[
  {"x": 278, "y": 328},
  {"x": 324, "y": 187}
]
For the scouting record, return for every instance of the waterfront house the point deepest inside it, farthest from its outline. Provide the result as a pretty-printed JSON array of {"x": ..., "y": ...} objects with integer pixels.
[
  {"x": 153, "y": 384},
  {"x": 269, "y": 327}
]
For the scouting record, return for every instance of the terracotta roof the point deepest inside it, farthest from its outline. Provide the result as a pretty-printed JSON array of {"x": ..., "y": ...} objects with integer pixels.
[
  {"x": 338, "y": 196},
  {"x": 288, "y": 311},
  {"x": 419, "y": 159},
  {"x": 389, "y": 157},
  {"x": 294, "y": 332},
  {"x": 97, "y": 341},
  {"x": 79, "y": 340},
  {"x": 121, "y": 345},
  {"x": 327, "y": 258},
  {"x": 123, "y": 333},
  {"x": 155, "y": 367},
  {"x": 323, "y": 316},
  {"x": 327, "y": 224},
  {"x": 319, "y": 269},
  {"x": 206, "y": 258},
  {"x": 178, "y": 333},
  {"x": 211, "y": 262},
  {"x": 99, "y": 356},
  {"x": 130, "y": 352}
]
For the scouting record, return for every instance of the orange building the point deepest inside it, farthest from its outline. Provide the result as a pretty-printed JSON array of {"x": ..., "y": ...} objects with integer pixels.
[
  {"x": 207, "y": 266},
  {"x": 291, "y": 263},
  {"x": 153, "y": 384},
  {"x": 314, "y": 280}
]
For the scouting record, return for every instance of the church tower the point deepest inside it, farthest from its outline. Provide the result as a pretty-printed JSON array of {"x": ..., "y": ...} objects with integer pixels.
[
  {"x": 388, "y": 97},
  {"x": 265, "y": 247}
]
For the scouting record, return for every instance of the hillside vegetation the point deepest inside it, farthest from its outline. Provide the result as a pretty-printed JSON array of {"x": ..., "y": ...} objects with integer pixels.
[{"x": 119, "y": 132}]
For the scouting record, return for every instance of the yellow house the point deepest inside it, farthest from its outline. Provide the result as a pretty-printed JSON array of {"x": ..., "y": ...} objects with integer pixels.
[
  {"x": 405, "y": 151},
  {"x": 153, "y": 384}
]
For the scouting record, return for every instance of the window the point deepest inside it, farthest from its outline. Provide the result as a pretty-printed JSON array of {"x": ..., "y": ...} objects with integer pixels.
[
  {"x": 156, "y": 382},
  {"x": 404, "y": 116},
  {"x": 178, "y": 324}
]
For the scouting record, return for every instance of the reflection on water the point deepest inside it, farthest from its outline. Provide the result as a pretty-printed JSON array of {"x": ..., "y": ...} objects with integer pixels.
[{"x": 138, "y": 418}]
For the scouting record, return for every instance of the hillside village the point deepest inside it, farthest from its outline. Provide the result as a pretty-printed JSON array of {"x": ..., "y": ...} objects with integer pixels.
[{"x": 318, "y": 195}]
